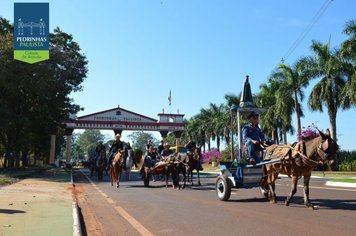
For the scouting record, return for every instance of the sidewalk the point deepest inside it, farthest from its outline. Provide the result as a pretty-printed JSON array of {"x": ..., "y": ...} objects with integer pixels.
[{"x": 38, "y": 206}]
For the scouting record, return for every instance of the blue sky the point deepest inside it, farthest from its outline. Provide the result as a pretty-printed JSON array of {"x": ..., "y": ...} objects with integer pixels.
[{"x": 200, "y": 49}]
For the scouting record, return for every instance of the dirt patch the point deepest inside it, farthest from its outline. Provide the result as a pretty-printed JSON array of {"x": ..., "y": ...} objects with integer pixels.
[{"x": 89, "y": 223}]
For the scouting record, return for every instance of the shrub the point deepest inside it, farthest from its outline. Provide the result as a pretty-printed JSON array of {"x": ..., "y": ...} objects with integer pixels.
[
  {"x": 213, "y": 155},
  {"x": 347, "y": 160}
]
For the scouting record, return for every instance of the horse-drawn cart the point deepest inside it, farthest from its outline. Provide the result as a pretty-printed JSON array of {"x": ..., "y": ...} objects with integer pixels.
[
  {"x": 241, "y": 175},
  {"x": 294, "y": 160}
]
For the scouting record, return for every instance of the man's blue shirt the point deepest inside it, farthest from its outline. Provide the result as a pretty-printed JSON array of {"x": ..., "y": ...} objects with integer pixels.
[{"x": 255, "y": 133}]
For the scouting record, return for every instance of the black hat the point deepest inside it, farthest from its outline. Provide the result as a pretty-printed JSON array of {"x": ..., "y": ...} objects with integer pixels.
[{"x": 252, "y": 114}]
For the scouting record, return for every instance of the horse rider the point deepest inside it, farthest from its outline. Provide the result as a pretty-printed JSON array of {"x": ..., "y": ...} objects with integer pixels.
[
  {"x": 190, "y": 145},
  {"x": 166, "y": 151},
  {"x": 253, "y": 138},
  {"x": 99, "y": 148},
  {"x": 191, "y": 149},
  {"x": 128, "y": 147},
  {"x": 160, "y": 149},
  {"x": 116, "y": 146}
]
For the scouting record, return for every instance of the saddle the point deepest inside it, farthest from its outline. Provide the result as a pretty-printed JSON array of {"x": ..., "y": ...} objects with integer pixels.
[
  {"x": 277, "y": 152},
  {"x": 285, "y": 153}
]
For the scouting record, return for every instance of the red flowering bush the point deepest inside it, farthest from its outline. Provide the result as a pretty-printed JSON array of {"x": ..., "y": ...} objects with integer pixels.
[
  {"x": 309, "y": 132},
  {"x": 213, "y": 155}
]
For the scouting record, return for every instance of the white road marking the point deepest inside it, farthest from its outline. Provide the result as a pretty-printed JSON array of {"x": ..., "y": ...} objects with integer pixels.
[
  {"x": 137, "y": 225},
  {"x": 110, "y": 201},
  {"x": 132, "y": 221}
]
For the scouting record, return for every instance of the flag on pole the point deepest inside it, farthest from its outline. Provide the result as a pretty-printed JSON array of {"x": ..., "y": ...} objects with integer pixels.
[{"x": 170, "y": 97}]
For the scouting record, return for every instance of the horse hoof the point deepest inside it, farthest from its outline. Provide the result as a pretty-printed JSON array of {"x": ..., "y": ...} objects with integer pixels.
[
  {"x": 286, "y": 203},
  {"x": 199, "y": 184}
]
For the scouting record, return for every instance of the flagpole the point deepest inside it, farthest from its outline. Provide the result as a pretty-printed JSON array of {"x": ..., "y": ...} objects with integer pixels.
[{"x": 170, "y": 101}]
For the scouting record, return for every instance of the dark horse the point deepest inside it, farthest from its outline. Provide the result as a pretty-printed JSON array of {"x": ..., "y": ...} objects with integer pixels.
[
  {"x": 171, "y": 165},
  {"x": 101, "y": 164},
  {"x": 193, "y": 164},
  {"x": 302, "y": 159}
]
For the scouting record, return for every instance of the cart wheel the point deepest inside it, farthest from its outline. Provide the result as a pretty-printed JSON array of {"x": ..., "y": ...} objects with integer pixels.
[{"x": 223, "y": 188}]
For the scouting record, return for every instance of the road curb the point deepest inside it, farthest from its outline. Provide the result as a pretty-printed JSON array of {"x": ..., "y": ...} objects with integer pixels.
[
  {"x": 340, "y": 184},
  {"x": 76, "y": 222}
]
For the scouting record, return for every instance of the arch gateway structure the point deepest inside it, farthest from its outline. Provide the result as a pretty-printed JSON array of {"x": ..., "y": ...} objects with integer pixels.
[{"x": 118, "y": 120}]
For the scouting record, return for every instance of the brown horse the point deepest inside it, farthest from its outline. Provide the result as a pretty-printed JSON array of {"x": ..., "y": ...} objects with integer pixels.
[
  {"x": 116, "y": 167},
  {"x": 300, "y": 161}
]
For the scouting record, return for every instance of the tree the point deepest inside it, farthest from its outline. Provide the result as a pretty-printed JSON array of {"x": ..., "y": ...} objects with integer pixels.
[
  {"x": 289, "y": 94},
  {"x": 329, "y": 66},
  {"x": 88, "y": 139},
  {"x": 139, "y": 140},
  {"x": 34, "y": 98},
  {"x": 348, "y": 53}
]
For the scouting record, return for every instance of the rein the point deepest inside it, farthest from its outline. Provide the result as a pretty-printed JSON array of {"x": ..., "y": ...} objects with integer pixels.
[{"x": 311, "y": 162}]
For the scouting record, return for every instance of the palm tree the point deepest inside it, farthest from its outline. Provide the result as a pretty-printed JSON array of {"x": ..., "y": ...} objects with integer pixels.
[
  {"x": 290, "y": 81},
  {"x": 330, "y": 67},
  {"x": 205, "y": 119},
  {"x": 218, "y": 122},
  {"x": 348, "y": 52},
  {"x": 195, "y": 128}
]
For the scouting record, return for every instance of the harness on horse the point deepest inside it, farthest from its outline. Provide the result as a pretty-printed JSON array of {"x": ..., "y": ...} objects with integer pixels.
[{"x": 294, "y": 154}]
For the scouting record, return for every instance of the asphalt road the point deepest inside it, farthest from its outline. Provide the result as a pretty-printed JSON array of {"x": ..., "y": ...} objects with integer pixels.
[{"x": 157, "y": 210}]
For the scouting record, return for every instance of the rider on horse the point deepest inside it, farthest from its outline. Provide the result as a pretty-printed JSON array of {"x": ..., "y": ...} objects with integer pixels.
[
  {"x": 254, "y": 139},
  {"x": 128, "y": 147},
  {"x": 191, "y": 147},
  {"x": 99, "y": 148},
  {"x": 117, "y": 145}
]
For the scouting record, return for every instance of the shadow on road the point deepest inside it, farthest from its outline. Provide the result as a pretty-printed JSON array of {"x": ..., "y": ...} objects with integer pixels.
[
  {"x": 8, "y": 211},
  {"x": 297, "y": 201}
]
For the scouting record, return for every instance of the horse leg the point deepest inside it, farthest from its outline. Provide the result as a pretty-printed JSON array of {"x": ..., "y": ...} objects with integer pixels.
[
  {"x": 198, "y": 178},
  {"x": 306, "y": 180},
  {"x": 191, "y": 176},
  {"x": 117, "y": 175},
  {"x": 166, "y": 176},
  {"x": 293, "y": 189},
  {"x": 272, "y": 186},
  {"x": 112, "y": 176},
  {"x": 184, "y": 177}
]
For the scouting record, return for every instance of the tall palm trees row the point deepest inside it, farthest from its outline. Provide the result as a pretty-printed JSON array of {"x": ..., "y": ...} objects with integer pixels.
[{"x": 335, "y": 70}]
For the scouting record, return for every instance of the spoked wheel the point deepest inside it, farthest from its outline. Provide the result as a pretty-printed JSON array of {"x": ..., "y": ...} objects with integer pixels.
[{"x": 223, "y": 188}]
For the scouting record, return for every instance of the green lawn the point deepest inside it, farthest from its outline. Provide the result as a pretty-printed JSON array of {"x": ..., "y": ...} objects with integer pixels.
[
  {"x": 5, "y": 180},
  {"x": 344, "y": 180}
]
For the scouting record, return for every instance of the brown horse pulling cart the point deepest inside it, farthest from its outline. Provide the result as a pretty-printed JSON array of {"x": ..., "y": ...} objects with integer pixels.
[{"x": 295, "y": 161}]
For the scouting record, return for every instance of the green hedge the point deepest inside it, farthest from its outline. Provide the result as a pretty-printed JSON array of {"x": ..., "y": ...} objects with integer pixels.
[{"x": 347, "y": 160}]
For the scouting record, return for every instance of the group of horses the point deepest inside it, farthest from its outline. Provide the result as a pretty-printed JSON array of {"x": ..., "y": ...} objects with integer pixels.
[
  {"x": 99, "y": 164},
  {"x": 297, "y": 162},
  {"x": 172, "y": 165}
]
